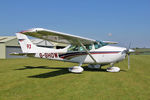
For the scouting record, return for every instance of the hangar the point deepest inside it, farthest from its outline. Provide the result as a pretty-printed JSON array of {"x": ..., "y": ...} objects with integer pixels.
[{"x": 9, "y": 44}]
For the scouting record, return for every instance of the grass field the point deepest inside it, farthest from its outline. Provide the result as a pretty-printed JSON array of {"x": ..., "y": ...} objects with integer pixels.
[
  {"x": 143, "y": 51},
  {"x": 38, "y": 79}
]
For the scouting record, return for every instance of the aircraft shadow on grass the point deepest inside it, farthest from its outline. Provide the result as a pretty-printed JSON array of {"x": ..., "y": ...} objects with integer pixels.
[{"x": 60, "y": 71}]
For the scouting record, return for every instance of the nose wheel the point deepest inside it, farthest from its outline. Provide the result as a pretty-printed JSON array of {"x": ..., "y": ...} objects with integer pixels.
[{"x": 113, "y": 68}]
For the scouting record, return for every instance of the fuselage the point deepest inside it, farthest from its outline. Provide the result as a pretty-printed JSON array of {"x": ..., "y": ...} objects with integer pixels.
[{"x": 103, "y": 55}]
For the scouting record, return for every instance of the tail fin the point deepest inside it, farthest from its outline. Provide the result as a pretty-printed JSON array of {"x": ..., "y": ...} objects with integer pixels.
[{"x": 26, "y": 45}]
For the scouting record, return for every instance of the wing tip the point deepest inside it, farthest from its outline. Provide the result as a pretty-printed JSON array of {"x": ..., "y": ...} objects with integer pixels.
[{"x": 32, "y": 30}]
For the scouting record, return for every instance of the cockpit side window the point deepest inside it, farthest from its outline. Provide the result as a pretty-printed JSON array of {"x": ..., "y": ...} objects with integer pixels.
[
  {"x": 88, "y": 47},
  {"x": 80, "y": 48}
]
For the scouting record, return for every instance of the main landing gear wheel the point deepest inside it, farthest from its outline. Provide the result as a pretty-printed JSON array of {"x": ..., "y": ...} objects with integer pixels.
[
  {"x": 113, "y": 69},
  {"x": 76, "y": 69},
  {"x": 94, "y": 66}
]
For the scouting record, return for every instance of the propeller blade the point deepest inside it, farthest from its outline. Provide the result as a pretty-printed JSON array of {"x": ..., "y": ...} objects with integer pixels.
[
  {"x": 129, "y": 46},
  {"x": 128, "y": 53},
  {"x": 128, "y": 61}
]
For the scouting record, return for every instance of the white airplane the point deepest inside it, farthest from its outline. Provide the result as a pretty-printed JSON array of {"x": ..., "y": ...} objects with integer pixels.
[{"x": 79, "y": 50}]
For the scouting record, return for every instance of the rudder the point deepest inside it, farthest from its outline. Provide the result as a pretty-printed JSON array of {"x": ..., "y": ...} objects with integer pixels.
[{"x": 26, "y": 45}]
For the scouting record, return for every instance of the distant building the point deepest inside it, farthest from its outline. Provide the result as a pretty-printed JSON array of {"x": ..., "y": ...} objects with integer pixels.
[
  {"x": 42, "y": 43},
  {"x": 9, "y": 44}
]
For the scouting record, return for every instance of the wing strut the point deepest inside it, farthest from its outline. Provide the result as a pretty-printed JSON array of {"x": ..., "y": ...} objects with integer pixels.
[{"x": 88, "y": 52}]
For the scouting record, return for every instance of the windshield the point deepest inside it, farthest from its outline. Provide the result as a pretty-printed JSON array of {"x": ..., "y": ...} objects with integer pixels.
[{"x": 99, "y": 44}]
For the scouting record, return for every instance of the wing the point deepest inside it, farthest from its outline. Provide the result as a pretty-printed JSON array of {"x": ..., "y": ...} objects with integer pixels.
[{"x": 58, "y": 37}]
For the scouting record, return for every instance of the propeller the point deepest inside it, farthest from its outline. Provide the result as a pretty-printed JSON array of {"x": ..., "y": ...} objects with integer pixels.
[
  {"x": 128, "y": 53},
  {"x": 128, "y": 61}
]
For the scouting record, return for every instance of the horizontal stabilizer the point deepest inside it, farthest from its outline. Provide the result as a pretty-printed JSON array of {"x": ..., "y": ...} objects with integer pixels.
[{"x": 22, "y": 54}]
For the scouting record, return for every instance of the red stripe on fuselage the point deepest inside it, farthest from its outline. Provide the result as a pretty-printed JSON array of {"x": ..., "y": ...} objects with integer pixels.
[
  {"x": 71, "y": 55},
  {"x": 104, "y": 52}
]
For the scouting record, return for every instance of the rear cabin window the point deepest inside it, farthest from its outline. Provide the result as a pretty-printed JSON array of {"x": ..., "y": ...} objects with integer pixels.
[{"x": 73, "y": 48}]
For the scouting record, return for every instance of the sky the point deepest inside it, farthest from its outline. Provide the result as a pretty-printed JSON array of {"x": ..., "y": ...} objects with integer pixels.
[{"x": 122, "y": 21}]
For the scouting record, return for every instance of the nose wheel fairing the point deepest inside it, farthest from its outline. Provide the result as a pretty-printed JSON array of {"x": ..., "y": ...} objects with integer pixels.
[{"x": 113, "y": 69}]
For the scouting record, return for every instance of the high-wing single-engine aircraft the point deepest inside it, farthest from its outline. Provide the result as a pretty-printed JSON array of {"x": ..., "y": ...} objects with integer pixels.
[{"x": 79, "y": 50}]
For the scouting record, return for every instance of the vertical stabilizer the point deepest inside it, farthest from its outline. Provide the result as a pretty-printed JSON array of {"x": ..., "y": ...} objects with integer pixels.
[{"x": 26, "y": 45}]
